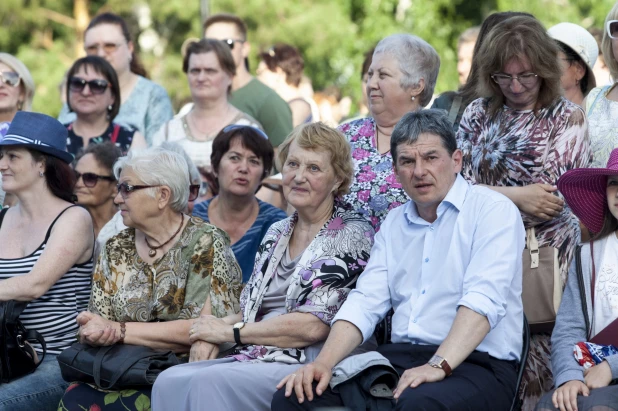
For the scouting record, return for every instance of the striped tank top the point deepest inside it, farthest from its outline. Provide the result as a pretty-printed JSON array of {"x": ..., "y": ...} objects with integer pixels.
[{"x": 54, "y": 313}]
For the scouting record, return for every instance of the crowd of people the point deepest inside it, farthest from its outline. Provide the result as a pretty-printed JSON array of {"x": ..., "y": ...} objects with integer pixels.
[{"x": 293, "y": 263}]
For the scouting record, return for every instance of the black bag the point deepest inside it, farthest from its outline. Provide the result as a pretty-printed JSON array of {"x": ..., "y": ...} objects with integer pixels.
[
  {"x": 17, "y": 357},
  {"x": 115, "y": 366}
]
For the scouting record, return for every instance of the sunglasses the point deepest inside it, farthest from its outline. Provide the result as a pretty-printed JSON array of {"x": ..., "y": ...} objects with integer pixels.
[
  {"x": 108, "y": 48},
  {"x": 78, "y": 85},
  {"x": 194, "y": 191},
  {"x": 125, "y": 189},
  {"x": 233, "y": 127},
  {"x": 91, "y": 179},
  {"x": 612, "y": 29},
  {"x": 231, "y": 42},
  {"x": 10, "y": 78}
]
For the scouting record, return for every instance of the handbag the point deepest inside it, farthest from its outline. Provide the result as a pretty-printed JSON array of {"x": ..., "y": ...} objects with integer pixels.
[
  {"x": 542, "y": 286},
  {"x": 116, "y": 366},
  {"x": 17, "y": 357}
]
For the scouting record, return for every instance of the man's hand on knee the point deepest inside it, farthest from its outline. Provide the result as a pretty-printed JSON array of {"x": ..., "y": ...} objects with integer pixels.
[
  {"x": 416, "y": 376},
  {"x": 302, "y": 381}
]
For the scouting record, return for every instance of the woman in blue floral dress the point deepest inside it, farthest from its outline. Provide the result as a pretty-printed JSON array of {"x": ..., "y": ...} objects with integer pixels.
[{"x": 401, "y": 78}]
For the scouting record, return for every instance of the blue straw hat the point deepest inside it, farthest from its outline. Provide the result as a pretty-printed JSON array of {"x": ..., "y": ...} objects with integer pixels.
[{"x": 38, "y": 132}]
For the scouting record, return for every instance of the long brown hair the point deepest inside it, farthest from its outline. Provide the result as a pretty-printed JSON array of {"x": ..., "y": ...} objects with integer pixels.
[
  {"x": 59, "y": 175},
  {"x": 519, "y": 37}
]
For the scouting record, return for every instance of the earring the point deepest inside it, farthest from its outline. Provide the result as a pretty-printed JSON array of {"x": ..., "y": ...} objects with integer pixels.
[
  {"x": 577, "y": 82},
  {"x": 20, "y": 105},
  {"x": 413, "y": 98},
  {"x": 109, "y": 108},
  {"x": 41, "y": 174}
]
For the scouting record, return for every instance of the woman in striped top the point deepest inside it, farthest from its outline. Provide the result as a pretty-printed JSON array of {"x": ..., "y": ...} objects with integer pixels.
[{"x": 46, "y": 246}]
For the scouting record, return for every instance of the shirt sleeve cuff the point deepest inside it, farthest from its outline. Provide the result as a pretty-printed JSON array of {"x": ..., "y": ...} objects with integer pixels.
[
  {"x": 568, "y": 375},
  {"x": 612, "y": 360},
  {"x": 484, "y": 306},
  {"x": 355, "y": 316}
]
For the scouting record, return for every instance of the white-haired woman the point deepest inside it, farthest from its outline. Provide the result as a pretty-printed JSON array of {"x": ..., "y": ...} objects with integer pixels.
[
  {"x": 154, "y": 278},
  {"x": 401, "y": 78}
]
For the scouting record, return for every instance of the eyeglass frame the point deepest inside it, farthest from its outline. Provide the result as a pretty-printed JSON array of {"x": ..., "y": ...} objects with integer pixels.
[
  {"x": 231, "y": 42},
  {"x": 5, "y": 80},
  {"x": 607, "y": 25},
  {"x": 97, "y": 177},
  {"x": 518, "y": 78},
  {"x": 108, "y": 48},
  {"x": 88, "y": 83},
  {"x": 131, "y": 188},
  {"x": 193, "y": 195}
]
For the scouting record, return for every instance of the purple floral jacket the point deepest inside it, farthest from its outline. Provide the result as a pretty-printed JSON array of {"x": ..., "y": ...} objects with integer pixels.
[{"x": 325, "y": 274}]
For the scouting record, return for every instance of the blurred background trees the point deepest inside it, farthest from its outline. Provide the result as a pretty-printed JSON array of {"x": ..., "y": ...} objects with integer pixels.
[{"x": 332, "y": 35}]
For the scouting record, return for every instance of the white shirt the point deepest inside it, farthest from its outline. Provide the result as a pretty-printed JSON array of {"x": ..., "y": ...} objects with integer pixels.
[
  {"x": 606, "y": 287},
  {"x": 470, "y": 256}
]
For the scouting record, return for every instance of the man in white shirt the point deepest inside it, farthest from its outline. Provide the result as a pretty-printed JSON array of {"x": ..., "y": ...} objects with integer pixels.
[{"x": 449, "y": 263}]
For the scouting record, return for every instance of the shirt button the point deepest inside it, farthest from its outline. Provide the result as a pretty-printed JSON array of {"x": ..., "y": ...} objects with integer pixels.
[
  {"x": 423, "y": 292},
  {"x": 426, "y": 260},
  {"x": 430, "y": 228},
  {"x": 414, "y": 320}
]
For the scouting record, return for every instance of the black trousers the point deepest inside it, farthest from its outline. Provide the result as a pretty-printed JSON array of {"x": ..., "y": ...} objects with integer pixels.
[{"x": 479, "y": 383}]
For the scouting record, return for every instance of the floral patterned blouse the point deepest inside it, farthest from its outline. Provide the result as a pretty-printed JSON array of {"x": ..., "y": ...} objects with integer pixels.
[
  {"x": 325, "y": 274},
  {"x": 518, "y": 148},
  {"x": 603, "y": 121},
  {"x": 175, "y": 286},
  {"x": 375, "y": 190}
]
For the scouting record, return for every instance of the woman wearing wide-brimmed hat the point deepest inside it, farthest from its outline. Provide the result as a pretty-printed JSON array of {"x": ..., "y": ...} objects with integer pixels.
[
  {"x": 46, "y": 245},
  {"x": 592, "y": 194}
]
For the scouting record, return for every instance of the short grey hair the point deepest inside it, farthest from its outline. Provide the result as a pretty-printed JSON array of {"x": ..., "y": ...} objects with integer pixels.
[
  {"x": 24, "y": 74},
  {"x": 415, "y": 123},
  {"x": 417, "y": 60},
  {"x": 158, "y": 166},
  {"x": 194, "y": 174}
]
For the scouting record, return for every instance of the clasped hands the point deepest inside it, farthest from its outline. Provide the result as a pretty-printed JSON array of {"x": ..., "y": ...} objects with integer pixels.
[
  {"x": 96, "y": 330},
  {"x": 205, "y": 335},
  {"x": 302, "y": 380}
]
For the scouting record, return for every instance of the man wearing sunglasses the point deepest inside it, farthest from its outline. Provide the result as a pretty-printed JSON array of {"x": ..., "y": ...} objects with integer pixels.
[{"x": 249, "y": 95}]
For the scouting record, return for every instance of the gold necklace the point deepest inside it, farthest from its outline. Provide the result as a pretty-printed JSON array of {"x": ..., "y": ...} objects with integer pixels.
[{"x": 153, "y": 250}]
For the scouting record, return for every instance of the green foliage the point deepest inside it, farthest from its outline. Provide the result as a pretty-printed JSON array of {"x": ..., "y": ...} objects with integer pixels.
[{"x": 332, "y": 35}]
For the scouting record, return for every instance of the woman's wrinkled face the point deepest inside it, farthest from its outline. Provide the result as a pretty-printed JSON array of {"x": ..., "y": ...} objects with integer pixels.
[
  {"x": 516, "y": 95},
  {"x": 103, "y": 191},
  {"x": 207, "y": 80},
  {"x": 107, "y": 41},
  {"x": 384, "y": 90},
  {"x": 11, "y": 97},
  {"x": 240, "y": 170},
  {"x": 308, "y": 178},
  {"x": 19, "y": 169},
  {"x": 138, "y": 206},
  {"x": 85, "y": 102}
]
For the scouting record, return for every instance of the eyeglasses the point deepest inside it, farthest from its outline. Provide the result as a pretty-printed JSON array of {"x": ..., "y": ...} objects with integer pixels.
[
  {"x": 612, "y": 29},
  {"x": 91, "y": 179},
  {"x": 125, "y": 189},
  {"x": 77, "y": 85},
  {"x": 233, "y": 127},
  {"x": 194, "y": 191},
  {"x": 10, "y": 78},
  {"x": 108, "y": 48},
  {"x": 231, "y": 42},
  {"x": 526, "y": 79}
]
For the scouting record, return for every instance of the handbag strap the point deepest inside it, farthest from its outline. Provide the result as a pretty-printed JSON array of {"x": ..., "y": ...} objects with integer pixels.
[
  {"x": 533, "y": 247},
  {"x": 582, "y": 288},
  {"x": 33, "y": 335}
]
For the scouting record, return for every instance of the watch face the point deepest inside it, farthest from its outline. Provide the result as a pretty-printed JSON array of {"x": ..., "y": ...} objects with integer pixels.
[{"x": 239, "y": 325}]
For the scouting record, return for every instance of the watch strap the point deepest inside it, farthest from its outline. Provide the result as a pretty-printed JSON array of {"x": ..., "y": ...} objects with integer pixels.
[
  {"x": 237, "y": 335},
  {"x": 446, "y": 367}
]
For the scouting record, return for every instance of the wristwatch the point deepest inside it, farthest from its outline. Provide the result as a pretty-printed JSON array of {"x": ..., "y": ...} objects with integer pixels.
[
  {"x": 438, "y": 362},
  {"x": 237, "y": 328}
]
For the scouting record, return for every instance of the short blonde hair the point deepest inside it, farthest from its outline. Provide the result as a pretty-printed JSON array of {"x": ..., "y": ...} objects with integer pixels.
[
  {"x": 320, "y": 137},
  {"x": 606, "y": 44},
  {"x": 26, "y": 78}
]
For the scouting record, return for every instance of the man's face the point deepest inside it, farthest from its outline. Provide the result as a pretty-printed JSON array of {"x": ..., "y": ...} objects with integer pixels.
[
  {"x": 229, "y": 33},
  {"x": 426, "y": 171}
]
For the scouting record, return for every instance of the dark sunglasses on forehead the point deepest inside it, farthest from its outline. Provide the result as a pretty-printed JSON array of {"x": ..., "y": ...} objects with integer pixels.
[
  {"x": 77, "y": 85},
  {"x": 233, "y": 127},
  {"x": 10, "y": 78},
  {"x": 612, "y": 29},
  {"x": 91, "y": 179},
  {"x": 231, "y": 42}
]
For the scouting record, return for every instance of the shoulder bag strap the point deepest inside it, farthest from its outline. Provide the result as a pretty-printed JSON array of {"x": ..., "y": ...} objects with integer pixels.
[
  {"x": 452, "y": 114},
  {"x": 2, "y": 214},
  {"x": 582, "y": 288},
  {"x": 115, "y": 133}
]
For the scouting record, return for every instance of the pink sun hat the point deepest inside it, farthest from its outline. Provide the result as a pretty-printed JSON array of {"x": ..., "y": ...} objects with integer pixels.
[{"x": 584, "y": 190}]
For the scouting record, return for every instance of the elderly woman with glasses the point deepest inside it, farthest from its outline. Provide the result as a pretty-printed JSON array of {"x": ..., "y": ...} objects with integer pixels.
[
  {"x": 518, "y": 139},
  {"x": 145, "y": 105},
  {"x": 93, "y": 93},
  {"x": 154, "y": 278},
  {"x": 210, "y": 68},
  {"x": 602, "y": 102},
  {"x": 304, "y": 269},
  {"x": 241, "y": 157}
]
